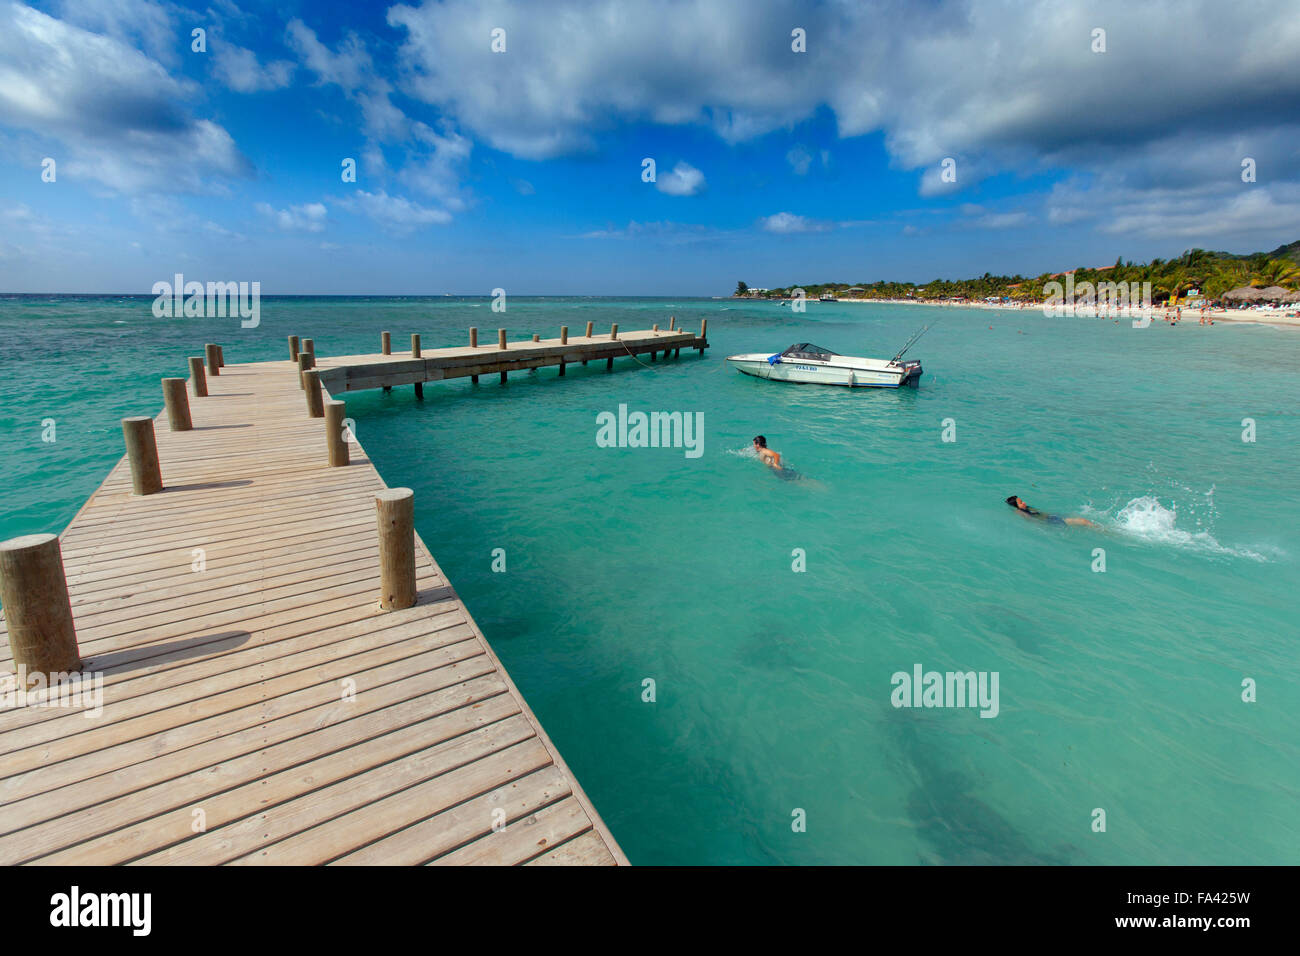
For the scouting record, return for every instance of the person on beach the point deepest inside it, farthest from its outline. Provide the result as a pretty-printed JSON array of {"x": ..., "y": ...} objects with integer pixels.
[
  {"x": 1020, "y": 505},
  {"x": 767, "y": 455}
]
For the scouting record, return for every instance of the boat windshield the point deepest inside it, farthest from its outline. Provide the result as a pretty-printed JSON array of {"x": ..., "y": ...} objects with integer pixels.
[{"x": 806, "y": 350}]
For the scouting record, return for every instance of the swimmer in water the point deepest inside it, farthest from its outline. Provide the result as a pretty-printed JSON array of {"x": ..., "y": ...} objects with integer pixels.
[
  {"x": 767, "y": 455},
  {"x": 1019, "y": 505}
]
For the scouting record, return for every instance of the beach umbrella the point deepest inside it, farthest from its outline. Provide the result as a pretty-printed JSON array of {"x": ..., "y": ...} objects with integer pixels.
[
  {"x": 1274, "y": 293},
  {"x": 1247, "y": 293},
  {"x": 1291, "y": 297}
]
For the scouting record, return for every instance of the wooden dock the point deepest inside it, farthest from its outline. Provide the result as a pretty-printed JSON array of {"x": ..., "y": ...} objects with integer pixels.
[
  {"x": 258, "y": 705},
  {"x": 415, "y": 366}
]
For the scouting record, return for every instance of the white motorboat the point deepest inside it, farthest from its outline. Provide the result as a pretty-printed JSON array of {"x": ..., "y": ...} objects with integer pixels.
[{"x": 810, "y": 364}]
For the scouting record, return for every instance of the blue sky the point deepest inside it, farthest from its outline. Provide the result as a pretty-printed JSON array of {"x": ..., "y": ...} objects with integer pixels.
[{"x": 522, "y": 169}]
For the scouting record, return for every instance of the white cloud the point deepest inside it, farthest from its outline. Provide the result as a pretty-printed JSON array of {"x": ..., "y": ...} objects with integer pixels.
[
  {"x": 308, "y": 217},
  {"x": 113, "y": 111},
  {"x": 239, "y": 69},
  {"x": 683, "y": 180},
  {"x": 787, "y": 222},
  {"x": 800, "y": 160},
  {"x": 999, "y": 85},
  {"x": 397, "y": 214}
]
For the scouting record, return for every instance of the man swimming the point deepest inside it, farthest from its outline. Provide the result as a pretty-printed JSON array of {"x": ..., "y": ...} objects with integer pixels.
[
  {"x": 1019, "y": 505},
  {"x": 767, "y": 455}
]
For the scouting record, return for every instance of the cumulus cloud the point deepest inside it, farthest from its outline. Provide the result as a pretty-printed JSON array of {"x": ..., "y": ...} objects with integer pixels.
[
  {"x": 999, "y": 85},
  {"x": 308, "y": 217},
  {"x": 114, "y": 111},
  {"x": 683, "y": 180},
  {"x": 396, "y": 214},
  {"x": 787, "y": 222}
]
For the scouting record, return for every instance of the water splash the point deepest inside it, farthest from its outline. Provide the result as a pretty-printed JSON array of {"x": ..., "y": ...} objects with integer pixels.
[{"x": 1147, "y": 519}]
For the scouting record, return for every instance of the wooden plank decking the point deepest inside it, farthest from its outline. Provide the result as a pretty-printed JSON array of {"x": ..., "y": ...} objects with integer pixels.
[
  {"x": 348, "y": 373},
  {"x": 227, "y": 735}
]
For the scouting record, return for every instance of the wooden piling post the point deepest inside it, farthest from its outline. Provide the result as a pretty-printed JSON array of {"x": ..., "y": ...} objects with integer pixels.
[
  {"x": 309, "y": 345},
  {"x": 656, "y": 327},
  {"x": 315, "y": 399},
  {"x": 335, "y": 442},
  {"x": 178, "y": 404},
  {"x": 672, "y": 322},
  {"x": 142, "y": 452},
  {"x": 210, "y": 354},
  {"x": 198, "y": 380},
  {"x": 564, "y": 335},
  {"x": 503, "y": 378},
  {"x": 536, "y": 337},
  {"x": 473, "y": 337},
  {"x": 221, "y": 356},
  {"x": 613, "y": 331},
  {"x": 38, "y": 613},
  {"x": 589, "y": 325},
  {"x": 419, "y": 390},
  {"x": 304, "y": 363},
  {"x": 501, "y": 338},
  {"x": 704, "y": 328},
  {"x": 293, "y": 348},
  {"x": 395, "y": 518},
  {"x": 415, "y": 345},
  {"x": 386, "y": 343},
  {"x": 609, "y": 364}
]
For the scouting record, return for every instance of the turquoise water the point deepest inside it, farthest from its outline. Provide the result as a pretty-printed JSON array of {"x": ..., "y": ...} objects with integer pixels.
[{"x": 1118, "y": 690}]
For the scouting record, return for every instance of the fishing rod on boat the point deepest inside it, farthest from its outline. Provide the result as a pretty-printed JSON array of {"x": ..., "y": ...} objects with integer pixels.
[{"x": 916, "y": 337}]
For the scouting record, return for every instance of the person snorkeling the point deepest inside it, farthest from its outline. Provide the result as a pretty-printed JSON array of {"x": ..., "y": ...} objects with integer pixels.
[{"x": 1019, "y": 504}]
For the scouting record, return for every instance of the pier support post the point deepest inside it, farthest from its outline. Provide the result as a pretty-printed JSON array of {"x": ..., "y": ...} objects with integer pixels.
[
  {"x": 309, "y": 345},
  {"x": 419, "y": 390},
  {"x": 503, "y": 378},
  {"x": 221, "y": 356},
  {"x": 473, "y": 337},
  {"x": 304, "y": 362},
  {"x": 672, "y": 322},
  {"x": 501, "y": 339},
  {"x": 315, "y": 399},
  {"x": 704, "y": 329},
  {"x": 334, "y": 440},
  {"x": 589, "y": 326},
  {"x": 609, "y": 364},
  {"x": 198, "y": 379},
  {"x": 613, "y": 331},
  {"x": 536, "y": 337},
  {"x": 38, "y": 613},
  {"x": 395, "y": 510},
  {"x": 293, "y": 348},
  {"x": 415, "y": 346},
  {"x": 386, "y": 343},
  {"x": 210, "y": 354},
  {"x": 142, "y": 452},
  {"x": 655, "y": 328},
  {"x": 564, "y": 335},
  {"x": 178, "y": 404}
]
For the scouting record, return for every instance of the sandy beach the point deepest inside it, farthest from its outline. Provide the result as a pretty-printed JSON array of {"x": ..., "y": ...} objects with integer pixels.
[{"x": 1281, "y": 318}]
